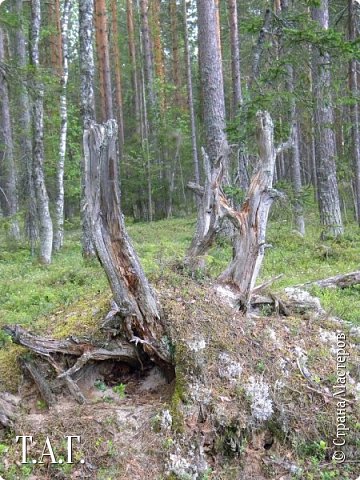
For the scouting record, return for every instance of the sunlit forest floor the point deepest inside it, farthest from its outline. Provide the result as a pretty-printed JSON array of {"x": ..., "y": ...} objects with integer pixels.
[
  {"x": 29, "y": 291},
  {"x": 71, "y": 297}
]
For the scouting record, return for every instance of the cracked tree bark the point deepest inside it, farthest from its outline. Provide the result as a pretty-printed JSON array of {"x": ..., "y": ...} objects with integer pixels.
[
  {"x": 141, "y": 315},
  {"x": 250, "y": 221},
  {"x": 329, "y": 203}
]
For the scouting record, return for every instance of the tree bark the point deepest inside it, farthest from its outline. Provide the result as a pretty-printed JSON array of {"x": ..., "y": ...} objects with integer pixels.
[
  {"x": 55, "y": 38},
  {"x": 147, "y": 53},
  {"x": 8, "y": 193},
  {"x": 329, "y": 204},
  {"x": 87, "y": 69},
  {"x": 235, "y": 56},
  {"x": 175, "y": 60},
  {"x": 295, "y": 151},
  {"x": 117, "y": 68},
  {"x": 24, "y": 118},
  {"x": 216, "y": 153},
  {"x": 137, "y": 303},
  {"x": 156, "y": 37},
  {"x": 211, "y": 80},
  {"x": 260, "y": 46},
  {"x": 191, "y": 99},
  {"x": 45, "y": 222},
  {"x": 103, "y": 56},
  {"x": 59, "y": 202},
  {"x": 134, "y": 70},
  {"x": 251, "y": 221},
  {"x": 295, "y": 161},
  {"x": 354, "y": 107}
]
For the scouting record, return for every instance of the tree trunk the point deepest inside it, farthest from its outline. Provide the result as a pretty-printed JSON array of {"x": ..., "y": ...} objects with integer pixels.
[
  {"x": 235, "y": 56},
  {"x": 211, "y": 80},
  {"x": 175, "y": 60},
  {"x": 117, "y": 67},
  {"x": 295, "y": 161},
  {"x": 103, "y": 56},
  {"x": 251, "y": 221},
  {"x": 134, "y": 69},
  {"x": 24, "y": 119},
  {"x": 55, "y": 38},
  {"x": 136, "y": 301},
  {"x": 59, "y": 202},
  {"x": 87, "y": 69},
  {"x": 8, "y": 193},
  {"x": 329, "y": 204},
  {"x": 216, "y": 153},
  {"x": 45, "y": 222},
  {"x": 147, "y": 53},
  {"x": 156, "y": 37},
  {"x": 354, "y": 106},
  {"x": 260, "y": 46},
  {"x": 191, "y": 99}
]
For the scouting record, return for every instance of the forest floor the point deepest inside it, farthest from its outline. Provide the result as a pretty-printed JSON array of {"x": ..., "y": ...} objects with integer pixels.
[{"x": 125, "y": 426}]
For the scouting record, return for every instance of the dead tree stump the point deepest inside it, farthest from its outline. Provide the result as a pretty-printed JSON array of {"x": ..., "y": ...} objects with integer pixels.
[{"x": 138, "y": 308}]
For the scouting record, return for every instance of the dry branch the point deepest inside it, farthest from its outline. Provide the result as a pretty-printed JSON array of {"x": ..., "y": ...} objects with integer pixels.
[{"x": 339, "y": 281}]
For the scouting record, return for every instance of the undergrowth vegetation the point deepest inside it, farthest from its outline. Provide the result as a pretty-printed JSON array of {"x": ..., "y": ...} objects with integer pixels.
[{"x": 29, "y": 291}]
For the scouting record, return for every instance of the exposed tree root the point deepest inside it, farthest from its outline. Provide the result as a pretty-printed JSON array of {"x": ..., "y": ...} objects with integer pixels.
[{"x": 86, "y": 351}]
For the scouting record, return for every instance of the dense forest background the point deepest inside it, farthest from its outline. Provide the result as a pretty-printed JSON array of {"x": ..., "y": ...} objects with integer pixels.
[{"x": 298, "y": 60}]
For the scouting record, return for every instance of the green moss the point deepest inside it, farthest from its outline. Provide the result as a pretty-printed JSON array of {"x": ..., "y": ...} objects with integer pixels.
[{"x": 10, "y": 373}]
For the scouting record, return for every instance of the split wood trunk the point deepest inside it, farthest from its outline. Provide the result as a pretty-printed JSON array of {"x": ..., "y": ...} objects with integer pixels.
[
  {"x": 251, "y": 221},
  {"x": 139, "y": 310}
]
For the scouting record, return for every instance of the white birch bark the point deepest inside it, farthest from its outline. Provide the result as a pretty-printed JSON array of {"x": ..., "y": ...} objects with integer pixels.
[
  {"x": 87, "y": 69},
  {"x": 59, "y": 202},
  {"x": 45, "y": 222}
]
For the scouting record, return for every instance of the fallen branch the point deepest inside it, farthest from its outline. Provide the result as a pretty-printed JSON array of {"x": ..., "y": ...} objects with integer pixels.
[
  {"x": 266, "y": 284},
  {"x": 339, "y": 281}
]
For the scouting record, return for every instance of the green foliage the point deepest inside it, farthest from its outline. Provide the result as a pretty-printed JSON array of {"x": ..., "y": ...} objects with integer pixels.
[{"x": 120, "y": 390}]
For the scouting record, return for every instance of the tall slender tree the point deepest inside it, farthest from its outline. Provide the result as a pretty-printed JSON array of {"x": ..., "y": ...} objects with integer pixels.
[
  {"x": 175, "y": 58},
  {"x": 8, "y": 193},
  {"x": 216, "y": 155},
  {"x": 87, "y": 69},
  {"x": 45, "y": 222},
  {"x": 191, "y": 98},
  {"x": 329, "y": 204},
  {"x": 295, "y": 150},
  {"x": 117, "y": 68},
  {"x": 212, "y": 83},
  {"x": 136, "y": 95},
  {"x": 60, "y": 196},
  {"x": 353, "y": 7},
  {"x": 103, "y": 56},
  {"x": 235, "y": 56},
  {"x": 24, "y": 120}
]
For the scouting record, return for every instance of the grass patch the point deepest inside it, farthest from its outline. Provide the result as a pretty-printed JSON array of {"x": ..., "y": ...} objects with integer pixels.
[{"x": 29, "y": 292}]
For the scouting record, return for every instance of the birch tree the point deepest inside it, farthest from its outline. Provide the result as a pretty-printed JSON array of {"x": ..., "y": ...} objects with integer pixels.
[
  {"x": 45, "y": 222},
  {"x": 87, "y": 69},
  {"x": 59, "y": 202}
]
